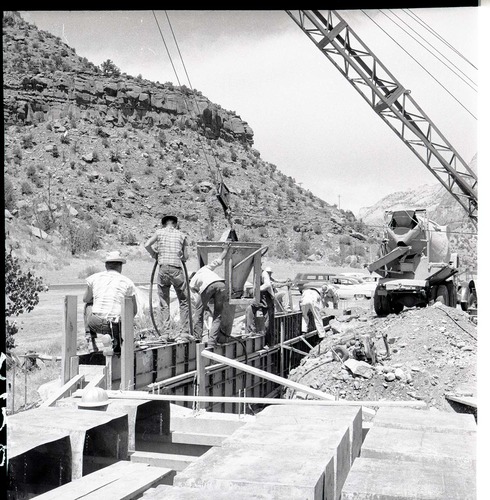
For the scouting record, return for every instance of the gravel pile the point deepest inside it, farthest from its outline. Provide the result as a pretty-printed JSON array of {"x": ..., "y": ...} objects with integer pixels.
[{"x": 432, "y": 352}]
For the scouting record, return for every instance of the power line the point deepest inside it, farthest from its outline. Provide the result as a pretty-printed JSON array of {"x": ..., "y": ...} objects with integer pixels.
[
  {"x": 437, "y": 50},
  {"x": 432, "y": 76},
  {"x": 434, "y": 33}
]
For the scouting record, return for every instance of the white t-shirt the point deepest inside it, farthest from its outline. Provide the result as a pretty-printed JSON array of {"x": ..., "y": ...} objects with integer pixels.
[
  {"x": 108, "y": 290},
  {"x": 205, "y": 276}
]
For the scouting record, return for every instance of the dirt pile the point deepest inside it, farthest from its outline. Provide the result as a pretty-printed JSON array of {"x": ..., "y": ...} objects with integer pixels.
[{"x": 432, "y": 353}]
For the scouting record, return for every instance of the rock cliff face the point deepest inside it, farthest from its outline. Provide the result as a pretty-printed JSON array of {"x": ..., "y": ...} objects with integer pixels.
[{"x": 69, "y": 83}]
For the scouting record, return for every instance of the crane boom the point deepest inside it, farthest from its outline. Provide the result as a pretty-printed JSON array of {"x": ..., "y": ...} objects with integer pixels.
[{"x": 391, "y": 101}]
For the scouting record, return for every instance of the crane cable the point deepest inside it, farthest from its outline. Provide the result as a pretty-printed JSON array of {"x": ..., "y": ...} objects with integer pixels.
[
  {"x": 434, "y": 33},
  {"x": 205, "y": 157},
  {"x": 180, "y": 85},
  {"x": 428, "y": 72},
  {"x": 222, "y": 191},
  {"x": 428, "y": 50}
]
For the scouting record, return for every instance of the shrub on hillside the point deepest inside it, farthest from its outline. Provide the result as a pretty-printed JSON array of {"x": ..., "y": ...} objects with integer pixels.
[
  {"x": 9, "y": 194},
  {"x": 27, "y": 141},
  {"x": 115, "y": 155},
  {"x": 88, "y": 271},
  {"x": 108, "y": 68},
  {"x": 80, "y": 237},
  {"x": 281, "y": 250},
  {"x": 302, "y": 248},
  {"x": 17, "y": 153},
  {"x": 26, "y": 188}
]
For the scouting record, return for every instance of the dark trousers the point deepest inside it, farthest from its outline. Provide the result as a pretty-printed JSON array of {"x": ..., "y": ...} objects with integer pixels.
[
  {"x": 214, "y": 292},
  {"x": 173, "y": 276},
  {"x": 96, "y": 325},
  {"x": 266, "y": 306}
]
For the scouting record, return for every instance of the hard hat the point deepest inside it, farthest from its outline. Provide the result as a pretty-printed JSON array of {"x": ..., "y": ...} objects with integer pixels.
[{"x": 95, "y": 396}]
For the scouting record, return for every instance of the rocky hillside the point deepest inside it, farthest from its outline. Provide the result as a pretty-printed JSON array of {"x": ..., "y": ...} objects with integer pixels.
[{"x": 93, "y": 157}]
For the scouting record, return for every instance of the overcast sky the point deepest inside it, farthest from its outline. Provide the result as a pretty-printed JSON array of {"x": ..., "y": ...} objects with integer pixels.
[{"x": 307, "y": 119}]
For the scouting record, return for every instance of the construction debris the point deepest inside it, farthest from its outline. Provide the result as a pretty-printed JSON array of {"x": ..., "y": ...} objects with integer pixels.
[{"x": 421, "y": 353}]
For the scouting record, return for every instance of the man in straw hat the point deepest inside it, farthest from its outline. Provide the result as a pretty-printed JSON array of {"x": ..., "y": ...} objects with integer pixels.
[
  {"x": 103, "y": 296},
  {"x": 170, "y": 250}
]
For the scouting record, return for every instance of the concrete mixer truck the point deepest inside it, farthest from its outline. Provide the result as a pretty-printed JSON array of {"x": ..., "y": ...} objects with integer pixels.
[{"x": 416, "y": 265}]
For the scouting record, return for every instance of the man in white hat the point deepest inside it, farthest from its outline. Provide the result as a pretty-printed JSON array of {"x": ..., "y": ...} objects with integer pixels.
[
  {"x": 103, "y": 296},
  {"x": 282, "y": 297}
]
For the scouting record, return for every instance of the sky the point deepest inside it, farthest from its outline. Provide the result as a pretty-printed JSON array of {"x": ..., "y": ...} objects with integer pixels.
[{"x": 307, "y": 119}]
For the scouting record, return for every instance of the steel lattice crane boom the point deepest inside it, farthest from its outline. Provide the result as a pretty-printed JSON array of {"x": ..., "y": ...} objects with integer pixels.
[{"x": 391, "y": 101}]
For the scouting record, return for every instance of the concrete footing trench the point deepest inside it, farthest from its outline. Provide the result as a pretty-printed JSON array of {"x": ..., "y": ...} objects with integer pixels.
[{"x": 159, "y": 450}]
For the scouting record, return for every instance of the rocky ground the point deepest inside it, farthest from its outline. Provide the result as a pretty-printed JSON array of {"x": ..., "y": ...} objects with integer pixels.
[{"x": 432, "y": 352}]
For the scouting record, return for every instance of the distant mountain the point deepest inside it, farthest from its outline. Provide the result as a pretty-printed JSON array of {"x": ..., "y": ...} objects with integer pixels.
[{"x": 426, "y": 196}]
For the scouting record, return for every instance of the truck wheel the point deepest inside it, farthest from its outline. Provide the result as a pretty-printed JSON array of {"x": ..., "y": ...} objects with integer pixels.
[
  {"x": 442, "y": 295},
  {"x": 396, "y": 307},
  {"x": 452, "y": 295},
  {"x": 381, "y": 304},
  {"x": 472, "y": 301}
]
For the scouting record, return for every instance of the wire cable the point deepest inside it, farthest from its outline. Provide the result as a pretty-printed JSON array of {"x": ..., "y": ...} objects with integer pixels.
[
  {"x": 437, "y": 50},
  {"x": 192, "y": 89},
  {"x": 180, "y": 85},
  {"x": 434, "y": 33},
  {"x": 432, "y": 76}
]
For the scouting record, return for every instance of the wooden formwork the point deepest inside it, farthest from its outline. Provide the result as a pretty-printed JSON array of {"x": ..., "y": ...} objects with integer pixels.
[{"x": 172, "y": 368}]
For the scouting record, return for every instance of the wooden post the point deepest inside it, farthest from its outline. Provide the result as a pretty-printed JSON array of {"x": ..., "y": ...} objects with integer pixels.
[
  {"x": 108, "y": 368},
  {"x": 13, "y": 387},
  {"x": 69, "y": 342},
  {"x": 200, "y": 373},
  {"x": 74, "y": 366},
  {"x": 281, "y": 360},
  {"x": 127, "y": 345}
]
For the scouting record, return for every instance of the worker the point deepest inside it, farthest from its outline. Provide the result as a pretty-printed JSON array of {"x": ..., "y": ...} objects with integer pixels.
[
  {"x": 210, "y": 287},
  {"x": 265, "y": 307},
  {"x": 282, "y": 297},
  {"x": 330, "y": 294},
  {"x": 311, "y": 303},
  {"x": 103, "y": 297},
  {"x": 171, "y": 251}
]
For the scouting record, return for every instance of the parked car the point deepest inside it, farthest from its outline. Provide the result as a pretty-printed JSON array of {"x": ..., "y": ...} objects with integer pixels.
[
  {"x": 350, "y": 287},
  {"x": 311, "y": 279},
  {"x": 371, "y": 278}
]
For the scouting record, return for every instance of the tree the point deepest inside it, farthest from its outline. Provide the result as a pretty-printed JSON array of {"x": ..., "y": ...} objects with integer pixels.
[
  {"x": 21, "y": 295},
  {"x": 109, "y": 68}
]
